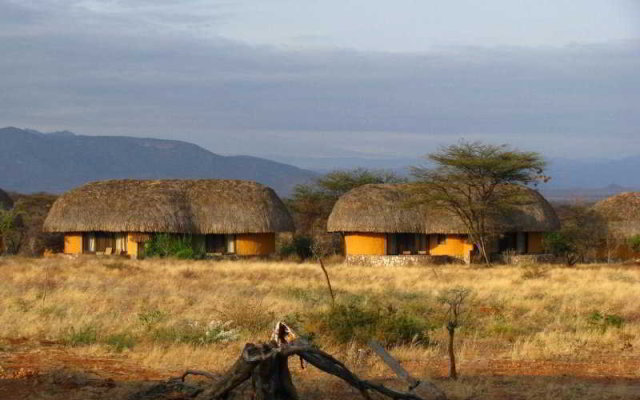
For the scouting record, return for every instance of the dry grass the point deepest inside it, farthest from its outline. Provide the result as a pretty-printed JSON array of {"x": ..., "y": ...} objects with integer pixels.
[{"x": 554, "y": 316}]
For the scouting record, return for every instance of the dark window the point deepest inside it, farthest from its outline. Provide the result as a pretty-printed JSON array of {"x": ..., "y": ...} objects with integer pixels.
[
  {"x": 514, "y": 241},
  {"x": 216, "y": 244}
]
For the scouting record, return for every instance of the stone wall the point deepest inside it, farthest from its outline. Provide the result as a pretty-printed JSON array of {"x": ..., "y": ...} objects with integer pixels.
[
  {"x": 400, "y": 260},
  {"x": 524, "y": 259}
]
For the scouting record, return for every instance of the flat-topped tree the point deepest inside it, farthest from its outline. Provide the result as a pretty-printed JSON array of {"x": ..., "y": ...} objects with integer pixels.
[{"x": 479, "y": 183}]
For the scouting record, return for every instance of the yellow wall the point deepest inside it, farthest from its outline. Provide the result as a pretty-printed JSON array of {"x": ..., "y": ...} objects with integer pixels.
[
  {"x": 535, "y": 243},
  {"x": 365, "y": 244},
  {"x": 255, "y": 244},
  {"x": 454, "y": 245},
  {"x": 133, "y": 248},
  {"x": 73, "y": 243}
]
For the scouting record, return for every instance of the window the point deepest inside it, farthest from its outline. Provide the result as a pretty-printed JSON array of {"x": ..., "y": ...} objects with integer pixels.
[
  {"x": 442, "y": 239},
  {"x": 221, "y": 244},
  {"x": 98, "y": 242},
  {"x": 514, "y": 241},
  {"x": 407, "y": 243}
]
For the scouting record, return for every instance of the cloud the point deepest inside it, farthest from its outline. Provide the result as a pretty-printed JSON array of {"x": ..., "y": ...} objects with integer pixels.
[{"x": 112, "y": 68}]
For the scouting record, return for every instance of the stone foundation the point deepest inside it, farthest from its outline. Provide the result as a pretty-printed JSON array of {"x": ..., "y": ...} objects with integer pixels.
[
  {"x": 524, "y": 259},
  {"x": 400, "y": 260}
]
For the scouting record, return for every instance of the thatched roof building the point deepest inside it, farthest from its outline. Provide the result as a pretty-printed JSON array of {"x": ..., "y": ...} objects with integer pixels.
[
  {"x": 171, "y": 206},
  {"x": 622, "y": 213},
  {"x": 5, "y": 201},
  {"x": 387, "y": 208}
]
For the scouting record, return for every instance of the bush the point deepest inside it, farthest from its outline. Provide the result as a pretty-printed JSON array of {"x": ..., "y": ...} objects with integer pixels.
[
  {"x": 86, "y": 335},
  {"x": 150, "y": 318},
  {"x": 605, "y": 321},
  {"x": 634, "y": 243},
  {"x": 346, "y": 323},
  {"x": 300, "y": 246},
  {"x": 120, "y": 341},
  {"x": 197, "y": 333},
  {"x": 170, "y": 245}
]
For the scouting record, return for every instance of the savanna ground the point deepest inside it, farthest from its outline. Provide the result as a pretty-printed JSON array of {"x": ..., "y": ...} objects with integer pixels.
[{"x": 101, "y": 328}]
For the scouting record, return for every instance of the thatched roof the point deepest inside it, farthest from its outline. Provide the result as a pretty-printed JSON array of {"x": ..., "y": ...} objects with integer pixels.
[
  {"x": 175, "y": 206},
  {"x": 5, "y": 201},
  {"x": 386, "y": 208},
  {"x": 622, "y": 213}
]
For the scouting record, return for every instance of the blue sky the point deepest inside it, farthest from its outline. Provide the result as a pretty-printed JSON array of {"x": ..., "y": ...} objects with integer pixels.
[{"x": 317, "y": 79}]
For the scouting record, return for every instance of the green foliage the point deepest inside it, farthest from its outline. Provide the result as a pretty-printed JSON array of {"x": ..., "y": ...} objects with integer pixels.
[
  {"x": 196, "y": 333},
  {"x": 477, "y": 182},
  {"x": 561, "y": 244},
  {"x": 581, "y": 232},
  {"x": 83, "y": 336},
  {"x": 172, "y": 245},
  {"x": 120, "y": 341},
  {"x": 11, "y": 222},
  {"x": 300, "y": 246},
  {"x": 352, "y": 322},
  {"x": 604, "y": 321},
  {"x": 26, "y": 236},
  {"x": 634, "y": 243},
  {"x": 150, "y": 318}
]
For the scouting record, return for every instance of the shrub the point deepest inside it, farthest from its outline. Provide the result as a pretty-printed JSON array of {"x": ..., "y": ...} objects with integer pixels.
[
  {"x": 120, "y": 341},
  {"x": 197, "y": 333},
  {"x": 300, "y": 246},
  {"x": 634, "y": 243},
  {"x": 150, "y": 318},
  {"x": 86, "y": 335},
  {"x": 170, "y": 245},
  {"x": 605, "y": 321},
  {"x": 346, "y": 323}
]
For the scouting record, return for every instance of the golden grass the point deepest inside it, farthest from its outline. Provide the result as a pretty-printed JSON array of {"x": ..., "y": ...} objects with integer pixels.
[{"x": 514, "y": 316}]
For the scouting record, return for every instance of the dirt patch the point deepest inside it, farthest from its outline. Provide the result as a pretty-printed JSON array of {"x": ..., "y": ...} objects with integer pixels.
[{"x": 55, "y": 373}]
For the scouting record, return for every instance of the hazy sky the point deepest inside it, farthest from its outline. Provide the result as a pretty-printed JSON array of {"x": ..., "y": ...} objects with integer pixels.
[{"x": 374, "y": 78}]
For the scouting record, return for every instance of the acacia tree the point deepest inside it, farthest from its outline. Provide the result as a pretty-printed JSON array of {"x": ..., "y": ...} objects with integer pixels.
[{"x": 478, "y": 183}]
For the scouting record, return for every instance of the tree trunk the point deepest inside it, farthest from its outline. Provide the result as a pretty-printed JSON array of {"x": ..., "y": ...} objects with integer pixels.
[{"x": 453, "y": 374}]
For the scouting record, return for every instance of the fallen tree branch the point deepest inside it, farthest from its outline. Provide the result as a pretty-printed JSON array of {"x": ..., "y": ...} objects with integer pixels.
[{"x": 266, "y": 366}]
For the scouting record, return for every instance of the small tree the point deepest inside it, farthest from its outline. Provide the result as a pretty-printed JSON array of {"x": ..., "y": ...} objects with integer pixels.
[
  {"x": 582, "y": 231},
  {"x": 477, "y": 183},
  {"x": 455, "y": 300},
  {"x": 10, "y": 233}
]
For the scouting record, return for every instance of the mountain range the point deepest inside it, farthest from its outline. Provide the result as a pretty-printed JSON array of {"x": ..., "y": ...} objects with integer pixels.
[{"x": 32, "y": 161}]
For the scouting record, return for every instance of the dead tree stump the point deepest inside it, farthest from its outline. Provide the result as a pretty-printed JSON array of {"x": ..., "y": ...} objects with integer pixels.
[{"x": 266, "y": 367}]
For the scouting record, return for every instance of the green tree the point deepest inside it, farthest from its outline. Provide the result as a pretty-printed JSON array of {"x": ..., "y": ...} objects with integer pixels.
[
  {"x": 582, "y": 231},
  {"x": 10, "y": 224},
  {"x": 477, "y": 182}
]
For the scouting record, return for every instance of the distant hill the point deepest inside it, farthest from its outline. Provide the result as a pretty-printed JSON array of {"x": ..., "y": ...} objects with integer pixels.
[{"x": 31, "y": 161}]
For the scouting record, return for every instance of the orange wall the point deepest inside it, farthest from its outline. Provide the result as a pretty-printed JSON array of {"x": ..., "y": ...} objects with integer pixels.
[
  {"x": 365, "y": 244},
  {"x": 454, "y": 245},
  {"x": 535, "y": 243},
  {"x": 73, "y": 243},
  {"x": 255, "y": 244},
  {"x": 133, "y": 247}
]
